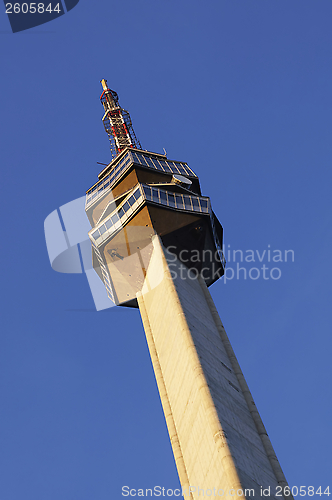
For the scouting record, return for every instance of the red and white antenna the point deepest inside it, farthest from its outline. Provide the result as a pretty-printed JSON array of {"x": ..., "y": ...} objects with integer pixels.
[{"x": 117, "y": 122}]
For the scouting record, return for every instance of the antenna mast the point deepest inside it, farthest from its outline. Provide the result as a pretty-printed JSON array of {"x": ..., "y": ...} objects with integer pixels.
[{"x": 117, "y": 122}]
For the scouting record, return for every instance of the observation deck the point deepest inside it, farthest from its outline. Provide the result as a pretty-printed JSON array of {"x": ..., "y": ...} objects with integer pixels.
[{"x": 141, "y": 194}]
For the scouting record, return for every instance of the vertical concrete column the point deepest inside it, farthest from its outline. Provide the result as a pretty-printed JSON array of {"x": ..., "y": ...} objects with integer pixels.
[{"x": 216, "y": 438}]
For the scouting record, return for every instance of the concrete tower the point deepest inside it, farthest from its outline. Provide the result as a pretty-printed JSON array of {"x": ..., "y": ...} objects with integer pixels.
[{"x": 157, "y": 245}]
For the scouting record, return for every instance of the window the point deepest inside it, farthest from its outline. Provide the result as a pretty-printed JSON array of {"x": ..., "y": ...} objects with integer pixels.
[
  {"x": 179, "y": 201},
  {"x": 195, "y": 203},
  {"x": 204, "y": 205},
  {"x": 143, "y": 160},
  {"x": 163, "y": 197},
  {"x": 114, "y": 218},
  {"x": 187, "y": 202},
  {"x": 155, "y": 195},
  {"x": 137, "y": 194},
  {"x": 149, "y": 162},
  {"x": 131, "y": 200},
  {"x": 136, "y": 158},
  {"x": 171, "y": 200},
  {"x": 147, "y": 192}
]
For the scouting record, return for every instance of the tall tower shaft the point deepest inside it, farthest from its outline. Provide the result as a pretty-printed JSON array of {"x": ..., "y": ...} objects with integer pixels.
[
  {"x": 157, "y": 245},
  {"x": 218, "y": 438}
]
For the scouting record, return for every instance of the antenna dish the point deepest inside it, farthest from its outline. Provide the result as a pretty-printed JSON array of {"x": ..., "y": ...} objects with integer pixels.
[{"x": 180, "y": 179}]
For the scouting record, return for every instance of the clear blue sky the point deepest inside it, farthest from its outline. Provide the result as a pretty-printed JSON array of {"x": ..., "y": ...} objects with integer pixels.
[{"x": 241, "y": 90}]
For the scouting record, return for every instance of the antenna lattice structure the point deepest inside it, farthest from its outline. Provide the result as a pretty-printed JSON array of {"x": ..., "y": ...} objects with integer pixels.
[{"x": 117, "y": 122}]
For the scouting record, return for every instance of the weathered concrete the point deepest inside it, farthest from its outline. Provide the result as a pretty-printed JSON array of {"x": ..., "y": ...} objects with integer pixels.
[{"x": 217, "y": 436}]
